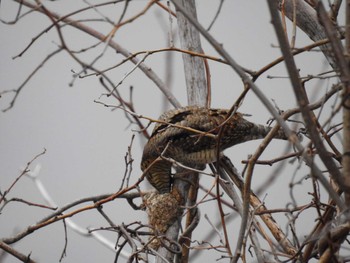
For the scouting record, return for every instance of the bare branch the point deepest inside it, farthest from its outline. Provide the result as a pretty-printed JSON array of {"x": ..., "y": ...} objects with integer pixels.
[
  {"x": 25, "y": 171},
  {"x": 15, "y": 253},
  {"x": 147, "y": 70},
  {"x": 307, "y": 115},
  {"x": 306, "y": 20}
]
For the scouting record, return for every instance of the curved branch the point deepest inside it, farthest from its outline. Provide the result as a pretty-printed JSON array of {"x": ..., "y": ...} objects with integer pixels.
[
  {"x": 103, "y": 38},
  {"x": 307, "y": 21},
  {"x": 247, "y": 81},
  {"x": 307, "y": 114}
]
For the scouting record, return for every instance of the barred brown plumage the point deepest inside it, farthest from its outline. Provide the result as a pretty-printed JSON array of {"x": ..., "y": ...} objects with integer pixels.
[{"x": 197, "y": 146}]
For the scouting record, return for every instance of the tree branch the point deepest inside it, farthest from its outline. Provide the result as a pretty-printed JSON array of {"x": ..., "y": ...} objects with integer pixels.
[
  {"x": 197, "y": 94},
  {"x": 306, "y": 20},
  {"x": 15, "y": 253},
  {"x": 145, "y": 69},
  {"x": 307, "y": 114}
]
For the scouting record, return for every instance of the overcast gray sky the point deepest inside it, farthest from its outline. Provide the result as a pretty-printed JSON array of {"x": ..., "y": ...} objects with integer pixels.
[{"x": 86, "y": 142}]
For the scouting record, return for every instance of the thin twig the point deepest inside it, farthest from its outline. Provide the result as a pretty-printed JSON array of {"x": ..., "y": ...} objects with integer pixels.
[{"x": 25, "y": 171}]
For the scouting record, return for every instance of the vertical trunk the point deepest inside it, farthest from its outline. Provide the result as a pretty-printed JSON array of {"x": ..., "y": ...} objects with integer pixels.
[
  {"x": 346, "y": 111},
  {"x": 193, "y": 66},
  {"x": 197, "y": 95}
]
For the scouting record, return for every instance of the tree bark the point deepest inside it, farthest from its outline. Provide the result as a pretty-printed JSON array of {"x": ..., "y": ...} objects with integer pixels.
[
  {"x": 346, "y": 111},
  {"x": 196, "y": 95},
  {"x": 193, "y": 66},
  {"x": 307, "y": 20}
]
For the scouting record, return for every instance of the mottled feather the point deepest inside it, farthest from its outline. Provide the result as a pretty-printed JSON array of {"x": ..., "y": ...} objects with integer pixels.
[{"x": 192, "y": 148}]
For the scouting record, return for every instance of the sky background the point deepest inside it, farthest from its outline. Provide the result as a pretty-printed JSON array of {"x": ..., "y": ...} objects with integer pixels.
[{"x": 86, "y": 143}]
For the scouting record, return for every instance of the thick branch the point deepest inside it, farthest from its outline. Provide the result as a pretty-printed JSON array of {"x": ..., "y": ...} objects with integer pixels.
[
  {"x": 303, "y": 104},
  {"x": 197, "y": 95},
  {"x": 15, "y": 253},
  {"x": 306, "y": 20},
  {"x": 247, "y": 81},
  {"x": 346, "y": 111},
  {"x": 194, "y": 66}
]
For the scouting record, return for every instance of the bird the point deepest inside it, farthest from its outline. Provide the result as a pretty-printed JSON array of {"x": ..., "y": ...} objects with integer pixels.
[{"x": 190, "y": 136}]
